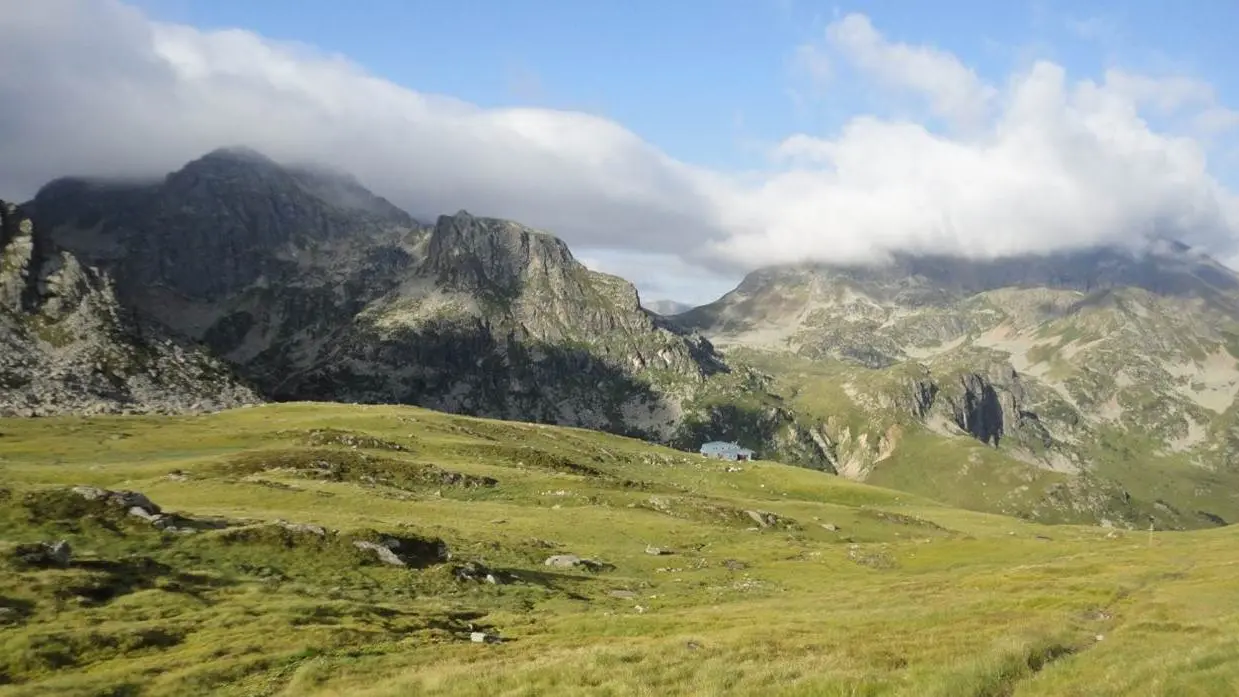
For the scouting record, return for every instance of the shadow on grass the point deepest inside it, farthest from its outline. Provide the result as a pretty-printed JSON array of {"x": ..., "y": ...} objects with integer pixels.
[
  {"x": 111, "y": 579},
  {"x": 557, "y": 582}
]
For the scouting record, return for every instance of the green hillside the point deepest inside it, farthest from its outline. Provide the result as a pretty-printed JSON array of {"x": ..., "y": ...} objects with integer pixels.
[{"x": 693, "y": 579}]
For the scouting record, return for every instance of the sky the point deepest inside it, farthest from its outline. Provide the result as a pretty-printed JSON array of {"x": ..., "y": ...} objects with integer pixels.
[{"x": 681, "y": 144}]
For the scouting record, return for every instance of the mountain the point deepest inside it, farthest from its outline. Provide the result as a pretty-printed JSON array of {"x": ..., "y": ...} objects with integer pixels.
[
  {"x": 1106, "y": 372},
  {"x": 313, "y": 288},
  {"x": 667, "y": 308},
  {"x": 68, "y": 346}
]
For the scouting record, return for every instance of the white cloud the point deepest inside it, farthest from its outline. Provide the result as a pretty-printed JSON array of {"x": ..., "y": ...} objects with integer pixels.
[
  {"x": 1216, "y": 119},
  {"x": 953, "y": 89},
  {"x": 1043, "y": 162}
]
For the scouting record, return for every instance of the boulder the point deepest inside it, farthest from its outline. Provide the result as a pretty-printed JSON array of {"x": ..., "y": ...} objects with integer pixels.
[
  {"x": 383, "y": 552},
  {"x": 405, "y": 551},
  {"x": 44, "y": 553}
]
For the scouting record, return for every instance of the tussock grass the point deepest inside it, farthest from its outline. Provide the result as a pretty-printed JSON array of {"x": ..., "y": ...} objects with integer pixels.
[{"x": 847, "y": 590}]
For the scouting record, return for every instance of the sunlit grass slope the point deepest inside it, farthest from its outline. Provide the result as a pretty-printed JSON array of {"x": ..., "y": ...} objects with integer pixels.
[{"x": 770, "y": 580}]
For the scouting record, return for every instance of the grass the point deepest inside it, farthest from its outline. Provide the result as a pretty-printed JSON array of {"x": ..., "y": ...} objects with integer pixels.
[{"x": 854, "y": 590}]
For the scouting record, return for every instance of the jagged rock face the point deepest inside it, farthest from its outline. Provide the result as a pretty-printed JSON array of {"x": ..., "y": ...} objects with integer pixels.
[
  {"x": 501, "y": 320},
  {"x": 67, "y": 345}
]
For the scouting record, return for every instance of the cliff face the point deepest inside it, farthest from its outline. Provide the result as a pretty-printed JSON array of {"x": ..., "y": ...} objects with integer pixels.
[
  {"x": 68, "y": 346},
  {"x": 501, "y": 320}
]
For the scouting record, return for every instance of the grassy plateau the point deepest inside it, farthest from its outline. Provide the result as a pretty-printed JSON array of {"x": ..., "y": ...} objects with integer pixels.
[{"x": 261, "y": 575}]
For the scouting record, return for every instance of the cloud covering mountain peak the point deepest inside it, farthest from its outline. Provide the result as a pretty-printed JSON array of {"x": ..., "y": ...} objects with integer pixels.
[{"x": 1042, "y": 162}]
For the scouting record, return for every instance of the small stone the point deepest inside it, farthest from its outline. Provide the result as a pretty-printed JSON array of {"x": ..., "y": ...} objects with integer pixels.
[
  {"x": 622, "y": 594},
  {"x": 483, "y": 638},
  {"x": 831, "y": 527},
  {"x": 139, "y": 512}
]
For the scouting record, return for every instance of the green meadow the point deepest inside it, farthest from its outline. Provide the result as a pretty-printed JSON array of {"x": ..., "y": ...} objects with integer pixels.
[{"x": 697, "y": 577}]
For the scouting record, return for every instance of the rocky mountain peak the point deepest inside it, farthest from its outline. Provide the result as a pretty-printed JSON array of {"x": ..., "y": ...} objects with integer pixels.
[
  {"x": 497, "y": 256},
  {"x": 216, "y": 226}
]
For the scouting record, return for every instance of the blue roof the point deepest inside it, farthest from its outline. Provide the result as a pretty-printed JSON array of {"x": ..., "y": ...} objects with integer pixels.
[{"x": 718, "y": 446}]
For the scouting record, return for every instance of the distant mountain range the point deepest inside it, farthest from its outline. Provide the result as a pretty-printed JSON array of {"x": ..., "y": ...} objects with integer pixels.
[
  {"x": 667, "y": 308},
  {"x": 1096, "y": 385}
]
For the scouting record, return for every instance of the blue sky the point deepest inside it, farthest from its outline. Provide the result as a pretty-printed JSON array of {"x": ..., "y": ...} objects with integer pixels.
[
  {"x": 678, "y": 144},
  {"x": 714, "y": 81}
]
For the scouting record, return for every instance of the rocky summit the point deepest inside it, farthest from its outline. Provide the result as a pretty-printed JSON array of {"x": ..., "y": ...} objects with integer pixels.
[
  {"x": 312, "y": 288},
  {"x": 1107, "y": 370}
]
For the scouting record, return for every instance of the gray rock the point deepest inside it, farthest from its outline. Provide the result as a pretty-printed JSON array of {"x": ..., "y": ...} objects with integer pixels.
[
  {"x": 57, "y": 553},
  {"x": 622, "y": 594},
  {"x": 304, "y": 528},
  {"x": 384, "y": 553},
  {"x": 572, "y": 561},
  {"x": 483, "y": 638},
  {"x": 765, "y": 520},
  {"x": 564, "y": 561}
]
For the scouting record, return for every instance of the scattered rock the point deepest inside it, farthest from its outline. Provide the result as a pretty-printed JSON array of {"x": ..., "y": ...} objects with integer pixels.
[
  {"x": 303, "y": 527},
  {"x": 484, "y": 638},
  {"x": 622, "y": 594},
  {"x": 734, "y": 565},
  {"x": 572, "y": 561},
  {"x": 692, "y": 646},
  {"x": 178, "y": 476},
  {"x": 657, "y": 551},
  {"x": 44, "y": 553},
  {"x": 831, "y": 527},
  {"x": 120, "y": 499},
  {"x": 764, "y": 519},
  {"x": 475, "y": 572}
]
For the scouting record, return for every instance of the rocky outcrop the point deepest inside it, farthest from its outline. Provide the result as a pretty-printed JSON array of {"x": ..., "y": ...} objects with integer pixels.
[
  {"x": 501, "y": 320},
  {"x": 68, "y": 345}
]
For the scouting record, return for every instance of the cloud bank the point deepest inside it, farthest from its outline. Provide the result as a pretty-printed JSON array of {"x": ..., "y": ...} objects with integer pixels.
[{"x": 1041, "y": 162}]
